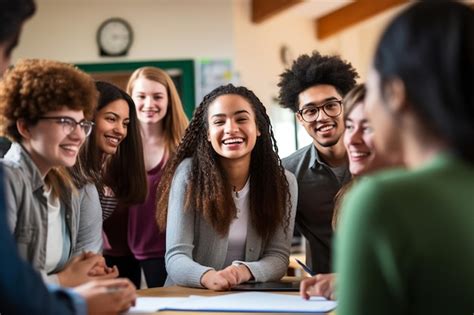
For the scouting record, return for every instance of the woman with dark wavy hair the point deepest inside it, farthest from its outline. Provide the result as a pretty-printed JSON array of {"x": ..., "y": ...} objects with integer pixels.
[
  {"x": 226, "y": 201},
  {"x": 111, "y": 159}
]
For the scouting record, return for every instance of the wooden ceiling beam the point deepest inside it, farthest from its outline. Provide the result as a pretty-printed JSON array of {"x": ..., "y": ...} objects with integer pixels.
[
  {"x": 351, "y": 14},
  {"x": 265, "y": 9}
]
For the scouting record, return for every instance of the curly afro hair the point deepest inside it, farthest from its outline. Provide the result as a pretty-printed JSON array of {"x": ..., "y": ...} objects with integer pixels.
[
  {"x": 308, "y": 71},
  {"x": 34, "y": 87}
]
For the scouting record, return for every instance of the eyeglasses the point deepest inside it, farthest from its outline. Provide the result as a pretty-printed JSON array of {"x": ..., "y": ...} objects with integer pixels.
[
  {"x": 332, "y": 108},
  {"x": 69, "y": 124}
]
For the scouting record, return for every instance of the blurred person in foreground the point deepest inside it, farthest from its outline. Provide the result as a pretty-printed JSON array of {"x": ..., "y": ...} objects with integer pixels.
[{"x": 405, "y": 244}]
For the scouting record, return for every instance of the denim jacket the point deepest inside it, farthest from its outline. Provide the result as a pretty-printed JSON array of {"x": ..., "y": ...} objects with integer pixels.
[{"x": 27, "y": 209}]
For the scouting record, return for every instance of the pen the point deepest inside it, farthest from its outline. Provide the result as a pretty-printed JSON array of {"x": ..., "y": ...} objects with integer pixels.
[{"x": 306, "y": 268}]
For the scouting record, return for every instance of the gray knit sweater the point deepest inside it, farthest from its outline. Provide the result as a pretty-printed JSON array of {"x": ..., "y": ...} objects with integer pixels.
[{"x": 194, "y": 247}]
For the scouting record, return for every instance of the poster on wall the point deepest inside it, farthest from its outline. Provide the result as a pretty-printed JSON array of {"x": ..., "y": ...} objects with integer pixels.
[{"x": 212, "y": 73}]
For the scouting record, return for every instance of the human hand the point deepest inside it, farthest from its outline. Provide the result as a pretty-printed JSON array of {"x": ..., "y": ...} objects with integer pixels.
[
  {"x": 226, "y": 278},
  {"x": 320, "y": 284},
  {"x": 85, "y": 267},
  {"x": 100, "y": 268},
  {"x": 111, "y": 296},
  {"x": 104, "y": 270},
  {"x": 214, "y": 281},
  {"x": 240, "y": 272}
]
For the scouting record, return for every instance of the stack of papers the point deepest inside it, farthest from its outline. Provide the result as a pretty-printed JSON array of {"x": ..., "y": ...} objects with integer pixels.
[{"x": 237, "y": 302}]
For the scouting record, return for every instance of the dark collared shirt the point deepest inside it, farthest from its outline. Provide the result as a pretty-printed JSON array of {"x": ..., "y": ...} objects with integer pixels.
[{"x": 317, "y": 186}]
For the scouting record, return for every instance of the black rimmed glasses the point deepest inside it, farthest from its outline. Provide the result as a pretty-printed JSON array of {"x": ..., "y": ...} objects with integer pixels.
[
  {"x": 310, "y": 113},
  {"x": 69, "y": 124}
]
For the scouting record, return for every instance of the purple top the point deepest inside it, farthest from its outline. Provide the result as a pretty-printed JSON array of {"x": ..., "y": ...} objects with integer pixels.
[{"x": 144, "y": 238}]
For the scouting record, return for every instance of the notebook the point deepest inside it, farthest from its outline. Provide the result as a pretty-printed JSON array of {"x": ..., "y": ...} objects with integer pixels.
[{"x": 268, "y": 286}]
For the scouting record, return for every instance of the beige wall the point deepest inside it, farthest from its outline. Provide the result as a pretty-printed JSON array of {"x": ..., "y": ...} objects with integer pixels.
[
  {"x": 257, "y": 45},
  {"x": 178, "y": 29},
  {"x": 357, "y": 43},
  {"x": 258, "y": 63},
  {"x": 193, "y": 29},
  {"x": 164, "y": 29}
]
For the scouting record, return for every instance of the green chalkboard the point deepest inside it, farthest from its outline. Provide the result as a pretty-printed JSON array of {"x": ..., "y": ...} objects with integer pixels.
[{"x": 182, "y": 72}]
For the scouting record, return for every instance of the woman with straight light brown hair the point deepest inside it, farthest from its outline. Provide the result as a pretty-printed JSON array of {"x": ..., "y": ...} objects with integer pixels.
[{"x": 162, "y": 121}]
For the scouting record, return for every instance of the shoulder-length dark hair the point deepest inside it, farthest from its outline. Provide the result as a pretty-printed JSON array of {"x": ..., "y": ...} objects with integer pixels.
[
  {"x": 209, "y": 193},
  {"x": 124, "y": 172},
  {"x": 430, "y": 48}
]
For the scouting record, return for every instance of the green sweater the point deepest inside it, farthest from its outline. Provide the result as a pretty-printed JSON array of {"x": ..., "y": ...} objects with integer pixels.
[{"x": 406, "y": 242}]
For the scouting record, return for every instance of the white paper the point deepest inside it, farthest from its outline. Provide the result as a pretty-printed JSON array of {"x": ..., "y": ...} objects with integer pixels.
[
  {"x": 153, "y": 304},
  {"x": 258, "y": 302},
  {"x": 237, "y": 302}
]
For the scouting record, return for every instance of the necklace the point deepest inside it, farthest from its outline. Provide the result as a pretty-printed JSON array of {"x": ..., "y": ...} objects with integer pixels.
[{"x": 235, "y": 191}]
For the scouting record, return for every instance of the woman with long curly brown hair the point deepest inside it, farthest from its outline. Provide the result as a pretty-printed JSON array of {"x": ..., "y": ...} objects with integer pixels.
[{"x": 226, "y": 202}]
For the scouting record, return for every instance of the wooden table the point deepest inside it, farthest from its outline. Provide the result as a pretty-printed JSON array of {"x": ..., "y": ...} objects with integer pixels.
[{"x": 176, "y": 291}]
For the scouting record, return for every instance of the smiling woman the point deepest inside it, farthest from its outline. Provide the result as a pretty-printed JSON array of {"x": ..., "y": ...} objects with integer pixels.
[
  {"x": 44, "y": 108},
  {"x": 112, "y": 156},
  {"x": 401, "y": 227},
  {"x": 232, "y": 129},
  {"x": 111, "y": 163},
  {"x": 162, "y": 121},
  {"x": 112, "y": 124},
  {"x": 227, "y": 203}
]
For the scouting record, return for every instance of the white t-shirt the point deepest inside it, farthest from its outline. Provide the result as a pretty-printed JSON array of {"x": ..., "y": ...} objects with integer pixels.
[
  {"x": 238, "y": 227},
  {"x": 54, "y": 243}
]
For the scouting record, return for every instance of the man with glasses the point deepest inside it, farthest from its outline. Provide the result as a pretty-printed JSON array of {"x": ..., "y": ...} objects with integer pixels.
[{"x": 313, "y": 89}]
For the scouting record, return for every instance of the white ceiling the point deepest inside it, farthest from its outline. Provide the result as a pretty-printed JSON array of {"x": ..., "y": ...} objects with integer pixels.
[
  {"x": 306, "y": 9},
  {"x": 317, "y": 8}
]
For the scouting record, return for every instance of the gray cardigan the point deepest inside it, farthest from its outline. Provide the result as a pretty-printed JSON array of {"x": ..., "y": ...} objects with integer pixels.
[
  {"x": 27, "y": 211},
  {"x": 194, "y": 247},
  {"x": 89, "y": 225}
]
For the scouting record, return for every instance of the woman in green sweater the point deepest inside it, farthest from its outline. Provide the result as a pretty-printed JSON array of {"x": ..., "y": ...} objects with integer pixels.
[{"x": 406, "y": 240}]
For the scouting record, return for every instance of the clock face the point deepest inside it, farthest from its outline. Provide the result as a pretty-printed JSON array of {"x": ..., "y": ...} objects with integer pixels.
[{"x": 114, "y": 37}]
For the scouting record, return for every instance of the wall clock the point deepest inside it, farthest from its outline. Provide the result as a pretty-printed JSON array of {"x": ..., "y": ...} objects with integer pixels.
[{"x": 114, "y": 37}]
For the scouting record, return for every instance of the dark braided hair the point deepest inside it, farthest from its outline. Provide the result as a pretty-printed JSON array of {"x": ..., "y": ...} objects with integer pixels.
[
  {"x": 209, "y": 193},
  {"x": 308, "y": 71}
]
